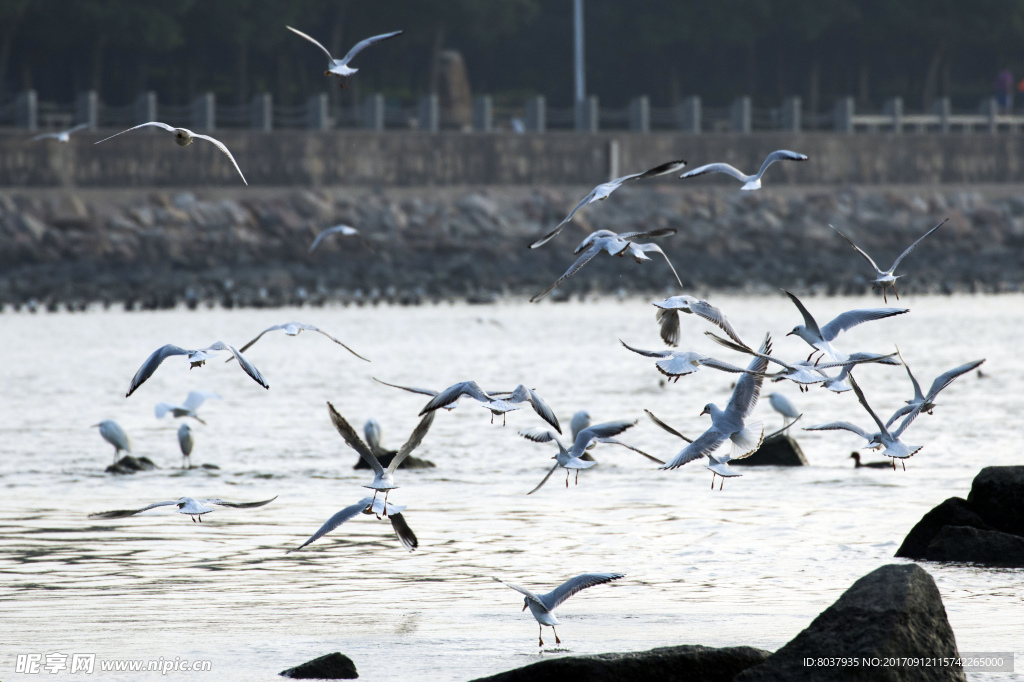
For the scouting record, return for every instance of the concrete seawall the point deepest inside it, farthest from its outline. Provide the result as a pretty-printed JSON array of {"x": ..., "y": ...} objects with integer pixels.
[{"x": 410, "y": 159}]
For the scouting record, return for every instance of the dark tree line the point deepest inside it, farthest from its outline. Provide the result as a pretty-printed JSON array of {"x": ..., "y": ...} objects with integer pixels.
[{"x": 719, "y": 49}]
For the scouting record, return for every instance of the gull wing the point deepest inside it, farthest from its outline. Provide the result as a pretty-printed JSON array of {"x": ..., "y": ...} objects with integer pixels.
[
  {"x": 44, "y": 136},
  {"x": 649, "y": 234},
  {"x": 354, "y": 441},
  {"x": 258, "y": 337},
  {"x": 918, "y": 395},
  {"x": 403, "y": 531},
  {"x": 840, "y": 426},
  {"x": 415, "y": 438},
  {"x": 864, "y": 402},
  {"x": 668, "y": 318},
  {"x": 196, "y": 398},
  {"x": 220, "y": 145},
  {"x": 522, "y": 394},
  {"x": 158, "y": 124},
  {"x": 716, "y": 168},
  {"x": 247, "y": 366},
  {"x": 715, "y": 317},
  {"x": 162, "y": 409},
  {"x": 851, "y": 318},
  {"x": 151, "y": 363},
  {"x": 422, "y": 391},
  {"x": 539, "y": 435},
  {"x": 662, "y": 169},
  {"x": 648, "y": 353},
  {"x": 706, "y": 443},
  {"x": 656, "y": 248},
  {"x": 612, "y": 441},
  {"x": 944, "y": 380},
  {"x": 324, "y": 49},
  {"x": 910, "y": 248},
  {"x": 808, "y": 318},
  {"x": 365, "y": 43},
  {"x": 121, "y": 513},
  {"x": 453, "y": 393},
  {"x": 584, "y": 258},
  {"x": 544, "y": 480},
  {"x": 313, "y": 328},
  {"x": 238, "y": 505},
  {"x": 781, "y": 155},
  {"x": 341, "y": 517},
  {"x": 748, "y": 387},
  {"x": 523, "y": 591},
  {"x": 859, "y": 250},
  {"x": 344, "y": 229},
  {"x": 906, "y": 409},
  {"x": 667, "y": 427},
  {"x": 907, "y": 421},
  {"x": 597, "y": 432},
  {"x": 555, "y": 597},
  {"x": 558, "y": 228}
]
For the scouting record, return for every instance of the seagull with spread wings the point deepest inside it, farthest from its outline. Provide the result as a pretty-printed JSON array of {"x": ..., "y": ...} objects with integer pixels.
[
  {"x": 923, "y": 402},
  {"x": 820, "y": 338},
  {"x": 183, "y": 137},
  {"x": 186, "y": 505},
  {"x": 750, "y": 182},
  {"x": 542, "y": 606},
  {"x": 196, "y": 358},
  {"x": 668, "y": 317},
  {"x": 188, "y": 408},
  {"x": 63, "y": 135},
  {"x": 340, "y": 67},
  {"x": 497, "y": 405},
  {"x": 294, "y": 329},
  {"x": 885, "y": 279},
  {"x": 675, "y": 364},
  {"x": 344, "y": 230},
  {"x": 370, "y": 506}
]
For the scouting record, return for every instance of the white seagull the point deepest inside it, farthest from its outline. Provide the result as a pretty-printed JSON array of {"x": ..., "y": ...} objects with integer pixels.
[
  {"x": 542, "y": 606},
  {"x": 183, "y": 137},
  {"x": 187, "y": 409},
  {"x": 62, "y": 136},
  {"x": 750, "y": 182},
  {"x": 884, "y": 279},
  {"x": 196, "y": 358},
  {"x": 783, "y": 406},
  {"x": 185, "y": 443},
  {"x": 112, "y": 432},
  {"x": 496, "y": 405},
  {"x": 675, "y": 364},
  {"x": 345, "y": 231},
  {"x": 820, "y": 338},
  {"x": 294, "y": 329},
  {"x": 372, "y": 507},
  {"x": 428, "y": 391},
  {"x": 616, "y": 245},
  {"x": 603, "y": 191},
  {"x": 340, "y": 67},
  {"x": 730, "y": 424},
  {"x": 926, "y": 402},
  {"x": 186, "y": 505},
  {"x": 668, "y": 317}
]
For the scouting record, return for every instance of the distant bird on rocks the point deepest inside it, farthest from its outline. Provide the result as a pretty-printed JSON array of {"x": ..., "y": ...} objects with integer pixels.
[
  {"x": 750, "y": 182},
  {"x": 112, "y": 432},
  {"x": 340, "y": 67},
  {"x": 63, "y": 135},
  {"x": 187, "y": 409},
  {"x": 185, "y": 442},
  {"x": 196, "y": 358},
  {"x": 496, "y": 405},
  {"x": 668, "y": 317},
  {"x": 186, "y": 505},
  {"x": 184, "y": 137},
  {"x": 604, "y": 190},
  {"x": 294, "y": 329},
  {"x": 885, "y": 279},
  {"x": 344, "y": 230}
]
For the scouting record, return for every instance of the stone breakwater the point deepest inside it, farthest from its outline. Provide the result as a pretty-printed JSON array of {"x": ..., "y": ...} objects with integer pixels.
[{"x": 154, "y": 249}]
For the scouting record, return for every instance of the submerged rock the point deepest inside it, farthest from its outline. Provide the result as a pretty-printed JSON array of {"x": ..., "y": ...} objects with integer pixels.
[
  {"x": 778, "y": 450},
  {"x": 129, "y": 465},
  {"x": 336, "y": 666}
]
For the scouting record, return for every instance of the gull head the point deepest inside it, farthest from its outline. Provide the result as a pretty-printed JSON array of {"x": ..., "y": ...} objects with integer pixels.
[
  {"x": 182, "y": 137},
  {"x": 706, "y": 410},
  {"x": 526, "y": 603}
]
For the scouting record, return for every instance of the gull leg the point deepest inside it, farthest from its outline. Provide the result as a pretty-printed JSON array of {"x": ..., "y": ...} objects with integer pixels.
[
  {"x": 895, "y": 292},
  {"x": 712, "y": 480},
  {"x": 566, "y": 478},
  {"x": 894, "y": 464},
  {"x": 577, "y": 483},
  {"x": 557, "y": 641},
  {"x": 502, "y": 418},
  {"x": 540, "y": 629},
  {"x": 722, "y": 483},
  {"x": 904, "y": 463}
]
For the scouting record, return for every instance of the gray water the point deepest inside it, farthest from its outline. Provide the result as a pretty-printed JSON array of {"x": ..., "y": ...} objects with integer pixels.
[{"x": 751, "y": 564}]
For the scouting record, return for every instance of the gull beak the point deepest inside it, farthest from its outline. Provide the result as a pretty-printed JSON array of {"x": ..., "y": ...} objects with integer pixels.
[
  {"x": 524, "y": 607},
  {"x": 790, "y": 333},
  {"x": 702, "y": 413}
]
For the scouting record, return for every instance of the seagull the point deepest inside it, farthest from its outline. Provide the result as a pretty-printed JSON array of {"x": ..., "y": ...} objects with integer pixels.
[
  {"x": 186, "y": 505},
  {"x": 572, "y": 458},
  {"x": 543, "y": 605},
  {"x": 675, "y": 364},
  {"x": 730, "y": 424},
  {"x": 189, "y": 407},
  {"x": 196, "y": 358},
  {"x": 294, "y": 329},
  {"x": 112, "y": 432},
  {"x": 62, "y": 136},
  {"x": 884, "y": 279},
  {"x": 750, "y": 182},
  {"x": 820, "y": 338},
  {"x": 615, "y": 245},
  {"x": 183, "y": 137},
  {"x": 603, "y": 191},
  {"x": 345, "y": 230},
  {"x": 926, "y": 403},
  {"x": 383, "y": 479},
  {"x": 340, "y": 67},
  {"x": 185, "y": 441},
  {"x": 894, "y": 447},
  {"x": 783, "y": 406},
  {"x": 427, "y": 391},
  {"x": 668, "y": 317},
  {"x": 373, "y": 507},
  {"x": 496, "y": 405},
  {"x": 857, "y": 464}
]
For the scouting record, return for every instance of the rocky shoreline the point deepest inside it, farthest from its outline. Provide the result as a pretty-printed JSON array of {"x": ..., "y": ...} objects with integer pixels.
[{"x": 158, "y": 249}]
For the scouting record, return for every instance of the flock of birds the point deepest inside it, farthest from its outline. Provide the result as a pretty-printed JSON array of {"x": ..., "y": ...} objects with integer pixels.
[{"x": 730, "y": 425}]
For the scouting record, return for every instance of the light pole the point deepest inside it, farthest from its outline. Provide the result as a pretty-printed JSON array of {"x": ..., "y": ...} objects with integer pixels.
[{"x": 581, "y": 89}]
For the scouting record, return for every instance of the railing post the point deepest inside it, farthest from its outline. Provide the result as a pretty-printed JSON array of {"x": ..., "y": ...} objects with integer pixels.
[
  {"x": 942, "y": 108},
  {"x": 145, "y": 107},
  {"x": 587, "y": 115},
  {"x": 204, "y": 112},
  {"x": 613, "y": 159},
  {"x": 429, "y": 114},
  {"x": 740, "y": 116},
  {"x": 843, "y": 115},
  {"x": 261, "y": 112},
  {"x": 483, "y": 114},
  {"x": 373, "y": 112},
  {"x": 990, "y": 108},
  {"x": 536, "y": 114},
  {"x": 640, "y": 114},
  {"x": 688, "y": 113},
  {"x": 26, "y": 111},
  {"x": 316, "y": 112},
  {"x": 792, "y": 108},
  {"x": 894, "y": 108},
  {"x": 87, "y": 109}
]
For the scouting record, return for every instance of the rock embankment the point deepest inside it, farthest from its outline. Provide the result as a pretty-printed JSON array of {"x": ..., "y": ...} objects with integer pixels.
[{"x": 236, "y": 247}]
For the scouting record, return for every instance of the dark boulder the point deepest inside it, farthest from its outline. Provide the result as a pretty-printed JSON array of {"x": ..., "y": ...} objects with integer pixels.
[
  {"x": 955, "y": 511},
  {"x": 997, "y": 495},
  {"x": 129, "y": 465},
  {"x": 895, "y": 610},
  {"x": 336, "y": 666},
  {"x": 989, "y": 547},
  {"x": 778, "y": 450},
  {"x": 686, "y": 663},
  {"x": 386, "y": 457}
]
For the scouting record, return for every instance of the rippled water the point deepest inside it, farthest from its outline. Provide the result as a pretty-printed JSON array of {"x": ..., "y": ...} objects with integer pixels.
[{"x": 752, "y": 564}]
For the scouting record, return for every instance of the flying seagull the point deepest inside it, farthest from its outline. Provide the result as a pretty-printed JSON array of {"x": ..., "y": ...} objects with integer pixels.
[
  {"x": 340, "y": 67},
  {"x": 183, "y": 137},
  {"x": 668, "y": 317},
  {"x": 616, "y": 245},
  {"x": 186, "y": 505},
  {"x": 185, "y": 443},
  {"x": 675, "y": 364},
  {"x": 62, "y": 136},
  {"x": 345, "y": 231},
  {"x": 196, "y": 358},
  {"x": 750, "y": 182},
  {"x": 112, "y": 432},
  {"x": 372, "y": 507},
  {"x": 428, "y": 391},
  {"x": 820, "y": 338},
  {"x": 187, "y": 409},
  {"x": 603, "y": 191},
  {"x": 542, "y": 606},
  {"x": 926, "y": 402},
  {"x": 294, "y": 329},
  {"x": 496, "y": 405},
  {"x": 884, "y": 279}
]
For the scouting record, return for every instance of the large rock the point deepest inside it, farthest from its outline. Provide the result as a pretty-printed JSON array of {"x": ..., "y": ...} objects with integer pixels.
[
  {"x": 895, "y": 610},
  {"x": 997, "y": 495},
  {"x": 686, "y": 663},
  {"x": 385, "y": 458},
  {"x": 989, "y": 547},
  {"x": 778, "y": 450},
  {"x": 953, "y": 512},
  {"x": 129, "y": 465},
  {"x": 336, "y": 666}
]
